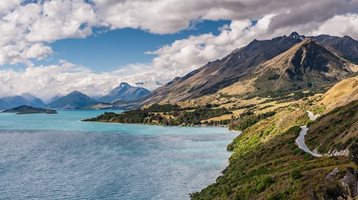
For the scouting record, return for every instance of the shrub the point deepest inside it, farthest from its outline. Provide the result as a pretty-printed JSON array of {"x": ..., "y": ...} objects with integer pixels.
[
  {"x": 295, "y": 174},
  {"x": 353, "y": 152}
]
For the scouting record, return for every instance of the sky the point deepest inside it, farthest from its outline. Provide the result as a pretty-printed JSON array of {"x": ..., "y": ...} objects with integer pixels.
[{"x": 52, "y": 47}]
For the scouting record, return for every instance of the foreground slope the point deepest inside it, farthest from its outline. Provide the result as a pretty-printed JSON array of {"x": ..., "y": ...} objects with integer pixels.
[
  {"x": 267, "y": 164},
  {"x": 335, "y": 131}
]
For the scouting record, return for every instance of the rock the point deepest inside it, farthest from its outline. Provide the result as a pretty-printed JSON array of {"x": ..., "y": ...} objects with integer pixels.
[
  {"x": 350, "y": 182},
  {"x": 332, "y": 175}
]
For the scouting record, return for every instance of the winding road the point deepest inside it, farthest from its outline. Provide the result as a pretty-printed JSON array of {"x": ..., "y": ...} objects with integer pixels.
[{"x": 300, "y": 141}]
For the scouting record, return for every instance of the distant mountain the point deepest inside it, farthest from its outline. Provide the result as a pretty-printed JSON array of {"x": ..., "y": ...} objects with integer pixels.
[
  {"x": 3, "y": 104},
  {"x": 125, "y": 92},
  {"x": 25, "y": 99},
  {"x": 345, "y": 46},
  {"x": 319, "y": 61},
  {"x": 73, "y": 100},
  {"x": 35, "y": 100}
]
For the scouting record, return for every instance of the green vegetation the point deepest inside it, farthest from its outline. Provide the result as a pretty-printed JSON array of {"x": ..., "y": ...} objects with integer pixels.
[
  {"x": 353, "y": 151},
  {"x": 335, "y": 130},
  {"x": 165, "y": 115},
  {"x": 248, "y": 119},
  {"x": 267, "y": 164},
  {"x": 162, "y": 108}
]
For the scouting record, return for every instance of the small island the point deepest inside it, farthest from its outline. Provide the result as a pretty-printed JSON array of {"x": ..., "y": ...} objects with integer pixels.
[{"x": 24, "y": 109}]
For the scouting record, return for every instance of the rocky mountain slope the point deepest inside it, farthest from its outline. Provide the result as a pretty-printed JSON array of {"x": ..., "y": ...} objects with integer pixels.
[
  {"x": 306, "y": 65},
  {"x": 125, "y": 92},
  {"x": 221, "y": 73},
  {"x": 303, "y": 63},
  {"x": 345, "y": 46}
]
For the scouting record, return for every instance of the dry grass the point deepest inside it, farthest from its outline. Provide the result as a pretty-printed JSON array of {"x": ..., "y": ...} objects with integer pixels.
[{"x": 341, "y": 94}]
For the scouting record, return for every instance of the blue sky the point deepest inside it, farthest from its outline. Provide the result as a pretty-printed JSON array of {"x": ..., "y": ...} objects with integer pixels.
[
  {"x": 107, "y": 50},
  {"x": 51, "y": 47}
]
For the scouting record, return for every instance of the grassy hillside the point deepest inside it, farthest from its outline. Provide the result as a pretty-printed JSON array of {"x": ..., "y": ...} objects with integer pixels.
[
  {"x": 336, "y": 130},
  {"x": 341, "y": 94},
  {"x": 267, "y": 164}
]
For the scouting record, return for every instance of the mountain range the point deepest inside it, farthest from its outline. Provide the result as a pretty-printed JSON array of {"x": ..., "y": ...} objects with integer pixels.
[
  {"x": 263, "y": 67},
  {"x": 19, "y": 100},
  {"x": 122, "y": 96},
  {"x": 285, "y": 63}
]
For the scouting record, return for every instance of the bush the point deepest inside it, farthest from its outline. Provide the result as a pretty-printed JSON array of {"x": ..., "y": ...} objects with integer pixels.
[
  {"x": 295, "y": 174},
  {"x": 353, "y": 152},
  {"x": 264, "y": 183}
]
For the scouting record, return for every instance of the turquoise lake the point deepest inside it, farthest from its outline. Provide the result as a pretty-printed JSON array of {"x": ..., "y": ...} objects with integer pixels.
[{"x": 59, "y": 157}]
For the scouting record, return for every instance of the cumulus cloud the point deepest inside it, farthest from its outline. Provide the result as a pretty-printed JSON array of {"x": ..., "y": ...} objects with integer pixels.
[
  {"x": 170, "y": 16},
  {"x": 27, "y": 29},
  {"x": 47, "y": 81}
]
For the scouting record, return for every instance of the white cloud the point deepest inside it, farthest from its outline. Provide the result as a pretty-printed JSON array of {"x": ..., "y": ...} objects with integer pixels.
[
  {"x": 26, "y": 30},
  {"x": 170, "y": 16},
  {"x": 340, "y": 25},
  {"x": 47, "y": 81},
  {"x": 28, "y": 25}
]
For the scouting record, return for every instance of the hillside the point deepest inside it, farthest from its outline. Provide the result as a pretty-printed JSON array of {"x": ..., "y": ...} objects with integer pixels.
[
  {"x": 125, "y": 92},
  {"x": 73, "y": 100},
  {"x": 336, "y": 130},
  {"x": 341, "y": 94},
  {"x": 267, "y": 164}
]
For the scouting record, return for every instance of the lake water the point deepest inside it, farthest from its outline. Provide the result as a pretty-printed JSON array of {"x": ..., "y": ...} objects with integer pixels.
[{"x": 59, "y": 157}]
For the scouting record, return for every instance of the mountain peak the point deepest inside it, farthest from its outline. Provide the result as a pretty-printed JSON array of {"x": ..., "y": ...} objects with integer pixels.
[
  {"x": 75, "y": 92},
  {"x": 125, "y": 92},
  {"x": 297, "y": 36},
  {"x": 73, "y": 100},
  {"x": 124, "y": 84}
]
